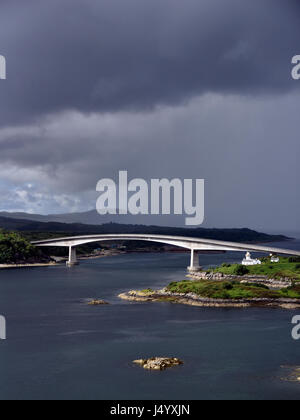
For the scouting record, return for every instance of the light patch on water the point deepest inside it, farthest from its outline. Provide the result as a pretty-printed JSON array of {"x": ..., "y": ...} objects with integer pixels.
[
  {"x": 194, "y": 321},
  {"x": 137, "y": 335},
  {"x": 79, "y": 332}
]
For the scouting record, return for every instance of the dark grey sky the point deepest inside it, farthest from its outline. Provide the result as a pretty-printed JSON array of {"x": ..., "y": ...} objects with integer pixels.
[{"x": 162, "y": 88}]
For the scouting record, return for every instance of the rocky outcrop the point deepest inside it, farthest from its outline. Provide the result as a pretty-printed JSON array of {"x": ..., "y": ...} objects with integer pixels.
[
  {"x": 96, "y": 302},
  {"x": 293, "y": 373},
  {"x": 206, "y": 275},
  {"x": 195, "y": 300},
  {"x": 158, "y": 363},
  {"x": 272, "y": 283}
]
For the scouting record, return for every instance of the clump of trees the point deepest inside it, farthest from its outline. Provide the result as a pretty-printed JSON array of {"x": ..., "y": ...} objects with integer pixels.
[{"x": 15, "y": 249}]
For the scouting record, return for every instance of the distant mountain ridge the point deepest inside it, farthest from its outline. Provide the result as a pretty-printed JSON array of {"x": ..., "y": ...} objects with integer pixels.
[
  {"x": 89, "y": 217},
  {"x": 35, "y": 227},
  {"x": 92, "y": 217}
]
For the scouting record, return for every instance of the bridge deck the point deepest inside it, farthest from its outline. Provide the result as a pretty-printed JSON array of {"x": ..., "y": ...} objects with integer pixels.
[{"x": 180, "y": 241}]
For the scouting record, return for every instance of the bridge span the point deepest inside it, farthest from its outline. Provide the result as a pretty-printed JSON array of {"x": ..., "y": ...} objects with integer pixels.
[{"x": 192, "y": 244}]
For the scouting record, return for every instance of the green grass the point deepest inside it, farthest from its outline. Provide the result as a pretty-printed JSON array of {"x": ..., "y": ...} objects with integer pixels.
[
  {"x": 282, "y": 269},
  {"x": 232, "y": 290},
  {"x": 147, "y": 291}
]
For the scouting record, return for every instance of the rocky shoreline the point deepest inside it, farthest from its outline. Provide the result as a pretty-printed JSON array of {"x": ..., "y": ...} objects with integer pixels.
[
  {"x": 195, "y": 300},
  {"x": 264, "y": 280},
  {"x": 8, "y": 266}
]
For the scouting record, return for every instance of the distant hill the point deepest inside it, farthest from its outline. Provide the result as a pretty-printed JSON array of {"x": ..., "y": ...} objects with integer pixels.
[
  {"x": 35, "y": 227},
  {"x": 92, "y": 217},
  {"x": 89, "y": 217}
]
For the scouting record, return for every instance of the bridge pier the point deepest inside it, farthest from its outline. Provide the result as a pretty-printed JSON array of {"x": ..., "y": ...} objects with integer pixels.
[
  {"x": 72, "y": 257},
  {"x": 194, "y": 266}
]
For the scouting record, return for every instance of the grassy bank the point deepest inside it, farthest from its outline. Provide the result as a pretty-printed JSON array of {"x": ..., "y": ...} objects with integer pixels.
[
  {"x": 232, "y": 290},
  {"x": 286, "y": 268}
]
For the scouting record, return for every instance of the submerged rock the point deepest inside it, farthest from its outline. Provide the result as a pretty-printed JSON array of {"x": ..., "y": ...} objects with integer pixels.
[
  {"x": 158, "y": 363},
  {"x": 96, "y": 302}
]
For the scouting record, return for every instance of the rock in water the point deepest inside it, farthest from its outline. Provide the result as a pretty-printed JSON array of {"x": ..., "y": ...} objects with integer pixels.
[
  {"x": 96, "y": 302},
  {"x": 158, "y": 363}
]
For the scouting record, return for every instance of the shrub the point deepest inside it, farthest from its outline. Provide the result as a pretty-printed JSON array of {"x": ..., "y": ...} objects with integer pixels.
[
  {"x": 241, "y": 270},
  {"x": 227, "y": 285},
  {"x": 257, "y": 285},
  {"x": 294, "y": 259}
]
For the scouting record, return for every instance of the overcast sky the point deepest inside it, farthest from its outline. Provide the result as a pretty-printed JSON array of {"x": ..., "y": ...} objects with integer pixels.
[{"x": 161, "y": 88}]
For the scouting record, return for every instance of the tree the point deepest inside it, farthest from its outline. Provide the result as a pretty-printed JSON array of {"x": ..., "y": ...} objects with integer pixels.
[
  {"x": 16, "y": 249},
  {"x": 241, "y": 270}
]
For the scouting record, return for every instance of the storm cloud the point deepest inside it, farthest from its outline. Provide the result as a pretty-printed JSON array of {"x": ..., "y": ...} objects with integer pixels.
[
  {"x": 161, "y": 88},
  {"x": 89, "y": 55}
]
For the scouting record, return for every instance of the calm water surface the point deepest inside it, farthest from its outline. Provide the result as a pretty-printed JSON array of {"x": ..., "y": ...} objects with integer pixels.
[{"x": 60, "y": 348}]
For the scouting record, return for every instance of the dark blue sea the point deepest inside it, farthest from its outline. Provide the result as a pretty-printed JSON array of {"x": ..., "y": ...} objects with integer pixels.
[{"x": 58, "y": 347}]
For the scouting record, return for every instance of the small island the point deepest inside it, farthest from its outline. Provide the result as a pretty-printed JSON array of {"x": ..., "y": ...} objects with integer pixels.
[
  {"x": 235, "y": 285},
  {"x": 97, "y": 302},
  {"x": 158, "y": 363}
]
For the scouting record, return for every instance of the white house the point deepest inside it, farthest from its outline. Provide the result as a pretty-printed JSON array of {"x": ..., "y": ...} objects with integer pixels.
[
  {"x": 249, "y": 261},
  {"x": 274, "y": 259}
]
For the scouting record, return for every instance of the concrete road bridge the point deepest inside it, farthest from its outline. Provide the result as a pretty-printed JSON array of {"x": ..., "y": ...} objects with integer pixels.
[{"x": 192, "y": 244}]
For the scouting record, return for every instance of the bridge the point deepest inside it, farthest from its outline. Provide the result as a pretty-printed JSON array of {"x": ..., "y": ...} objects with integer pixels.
[{"x": 192, "y": 244}]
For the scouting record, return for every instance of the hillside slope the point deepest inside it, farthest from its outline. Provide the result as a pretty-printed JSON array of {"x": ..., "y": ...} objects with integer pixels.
[{"x": 235, "y": 235}]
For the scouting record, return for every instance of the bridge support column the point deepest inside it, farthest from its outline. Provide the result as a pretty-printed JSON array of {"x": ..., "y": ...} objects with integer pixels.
[
  {"x": 72, "y": 257},
  {"x": 194, "y": 266}
]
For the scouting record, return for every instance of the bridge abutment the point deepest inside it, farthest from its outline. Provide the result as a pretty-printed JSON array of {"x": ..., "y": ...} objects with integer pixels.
[{"x": 72, "y": 257}]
